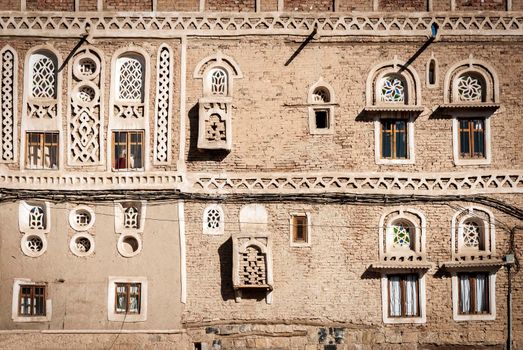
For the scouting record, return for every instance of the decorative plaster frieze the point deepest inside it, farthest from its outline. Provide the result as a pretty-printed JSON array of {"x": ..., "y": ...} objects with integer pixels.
[{"x": 146, "y": 24}]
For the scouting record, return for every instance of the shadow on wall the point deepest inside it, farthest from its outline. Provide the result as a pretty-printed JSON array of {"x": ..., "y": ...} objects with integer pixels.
[
  {"x": 194, "y": 153},
  {"x": 227, "y": 290}
]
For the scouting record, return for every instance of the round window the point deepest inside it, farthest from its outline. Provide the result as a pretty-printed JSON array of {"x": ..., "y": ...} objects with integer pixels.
[
  {"x": 33, "y": 245},
  {"x": 129, "y": 245},
  {"x": 81, "y": 218},
  {"x": 82, "y": 244}
]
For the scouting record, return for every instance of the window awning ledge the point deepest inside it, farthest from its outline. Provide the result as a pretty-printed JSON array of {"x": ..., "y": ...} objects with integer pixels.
[
  {"x": 449, "y": 107},
  {"x": 467, "y": 265},
  {"x": 379, "y": 266},
  {"x": 393, "y": 108}
]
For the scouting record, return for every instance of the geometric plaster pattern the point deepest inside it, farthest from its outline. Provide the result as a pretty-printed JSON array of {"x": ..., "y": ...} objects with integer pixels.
[
  {"x": 85, "y": 109},
  {"x": 375, "y": 24},
  {"x": 332, "y": 182},
  {"x": 163, "y": 105},
  {"x": 8, "y": 68}
]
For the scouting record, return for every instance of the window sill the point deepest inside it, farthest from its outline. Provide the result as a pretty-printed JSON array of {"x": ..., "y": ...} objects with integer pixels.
[
  {"x": 382, "y": 161},
  {"x": 400, "y": 320},
  {"x": 478, "y": 317},
  {"x": 27, "y": 319},
  {"x": 478, "y": 161}
]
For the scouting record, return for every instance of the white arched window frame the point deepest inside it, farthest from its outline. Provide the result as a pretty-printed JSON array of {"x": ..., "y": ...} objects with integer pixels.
[
  {"x": 213, "y": 220},
  {"x": 321, "y": 100},
  {"x": 43, "y": 75},
  {"x": 462, "y": 239},
  {"x": 392, "y": 88},
  {"x": 216, "y": 82},
  {"x": 395, "y": 228}
]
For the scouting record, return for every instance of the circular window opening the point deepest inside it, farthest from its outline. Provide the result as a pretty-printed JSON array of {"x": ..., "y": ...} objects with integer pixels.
[
  {"x": 81, "y": 218},
  {"x": 34, "y": 244},
  {"x": 86, "y": 93},
  {"x": 130, "y": 245},
  {"x": 82, "y": 244}
]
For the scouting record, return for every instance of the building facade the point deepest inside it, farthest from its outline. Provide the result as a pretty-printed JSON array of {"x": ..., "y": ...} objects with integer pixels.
[{"x": 267, "y": 174}]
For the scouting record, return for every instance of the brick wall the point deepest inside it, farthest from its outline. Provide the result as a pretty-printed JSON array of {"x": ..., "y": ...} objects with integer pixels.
[
  {"x": 402, "y": 5},
  {"x": 88, "y": 5},
  {"x": 230, "y": 5},
  {"x": 481, "y": 5},
  {"x": 308, "y": 5},
  {"x": 9, "y": 5},
  {"x": 50, "y": 5},
  {"x": 354, "y": 5},
  {"x": 178, "y": 5},
  {"x": 127, "y": 5},
  {"x": 441, "y": 5}
]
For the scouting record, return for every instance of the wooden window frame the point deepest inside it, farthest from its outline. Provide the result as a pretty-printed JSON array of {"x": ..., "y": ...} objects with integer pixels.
[
  {"x": 472, "y": 277},
  {"x": 127, "y": 286},
  {"x": 128, "y": 144},
  {"x": 471, "y": 130},
  {"x": 32, "y": 297},
  {"x": 393, "y": 132},
  {"x": 41, "y": 149},
  {"x": 295, "y": 223},
  {"x": 403, "y": 280}
]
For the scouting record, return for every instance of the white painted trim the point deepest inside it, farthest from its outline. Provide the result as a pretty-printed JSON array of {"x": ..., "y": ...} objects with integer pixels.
[
  {"x": 455, "y": 139},
  {"x": 24, "y": 207},
  {"x": 385, "y": 302},
  {"x": 280, "y": 5},
  {"x": 492, "y": 300},
  {"x": 509, "y": 5},
  {"x": 15, "y": 102},
  {"x": 308, "y": 243},
  {"x": 313, "y": 130},
  {"x": 76, "y": 5},
  {"x": 411, "y": 146},
  {"x": 169, "y": 106},
  {"x": 119, "y": 215},
  {"x": 27, "y": 251},
  {"x": 23, "y": 5},
  {"x": 490, "y": 230},
  {"x": 183, "y": 87},
  {"x": 183, "y": 260},
  {"x": 201, "y": 6},
  {"x": 257, "y": 7},
  {"x": 137, "y": 124},
  {"x": 111, "y": 291},
  {"x": 14, "y": 304}
]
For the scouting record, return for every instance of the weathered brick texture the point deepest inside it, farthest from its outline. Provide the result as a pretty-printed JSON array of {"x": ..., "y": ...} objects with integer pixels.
[
  {"x": 308, "y": 5},
  {"x": 9, "y": 5},
  {"x": 50, "y": 5},
  {"x": 481, "y": 4},
  {"x": 269, "y": 5},
  {"x": 178, "y": 5},
  {"x": 441, "y": 5},
  {"x": 354, "y": 5},
  {"x": 128, "y": 5},
  {"x": 402, "y": 5},
  {"x": 230, "y": 5},
  {"x": 88, "y": 5}
]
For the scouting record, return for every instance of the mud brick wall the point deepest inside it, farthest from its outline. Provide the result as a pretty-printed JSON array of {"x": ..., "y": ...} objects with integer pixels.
[
  {"x": 88, "y": 5},
  {"x": 498, "y": 5},
  {"x": 178, "y": 5},
  {"x": 50, "y": 5},
  {"x": 128, "y": 5},
  {"x": 402, "y": 5},
  {"x": 230, "y": 5}
]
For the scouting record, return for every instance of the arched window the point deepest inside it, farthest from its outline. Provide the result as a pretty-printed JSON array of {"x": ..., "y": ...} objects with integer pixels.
[
  {"x": 321, "y": 102},
  {"x": 131, "y": 217},
  {"x": 321, "y": 95},
  {"x": 217, "y": 83},
  {"x": 432, "y": 72},
  {"x": 43, "y": 75},
  {"x": 37, "y": 218},
  {"x": 402, "y": 232},
  {"x": 473, "y": 233},
  {"x": 130, "y": 77}
]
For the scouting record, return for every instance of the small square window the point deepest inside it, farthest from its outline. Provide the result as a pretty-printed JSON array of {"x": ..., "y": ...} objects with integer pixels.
[
  {"x": 31, "y": 300},
  {"x": 300, "y": 229},
  {"x": 128, "y": 297},
  {"x": 42, "y": 150},
  {"x": 128, "y": 150},
  {"x": 322, "y": 118}
]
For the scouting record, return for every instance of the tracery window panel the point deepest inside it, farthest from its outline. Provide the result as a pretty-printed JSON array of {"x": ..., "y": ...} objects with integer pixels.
[
  {"x": 394, "y": 139},
  {"x": 130, "y": 78},
  {"x": 218, "y": 82},
  {"x": 402, "y": 235},
  {"x": 213, "y": 219},
  {"x": 253, "y": 270},
  {"x": 473, "y": 293},
  {"x": 392, "y": 89},
  {"x": 321, "y": 95},
  {"x": 472, "y": 138},
  {"x": 37, "y": 218},
  {"x": 131, "y": 218},
  {"x": 42, "y": 150},
  {"x": 470, "y": 88},
  {"x": 473, "y": 236},
  {"x": 43, "y": 75}
]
